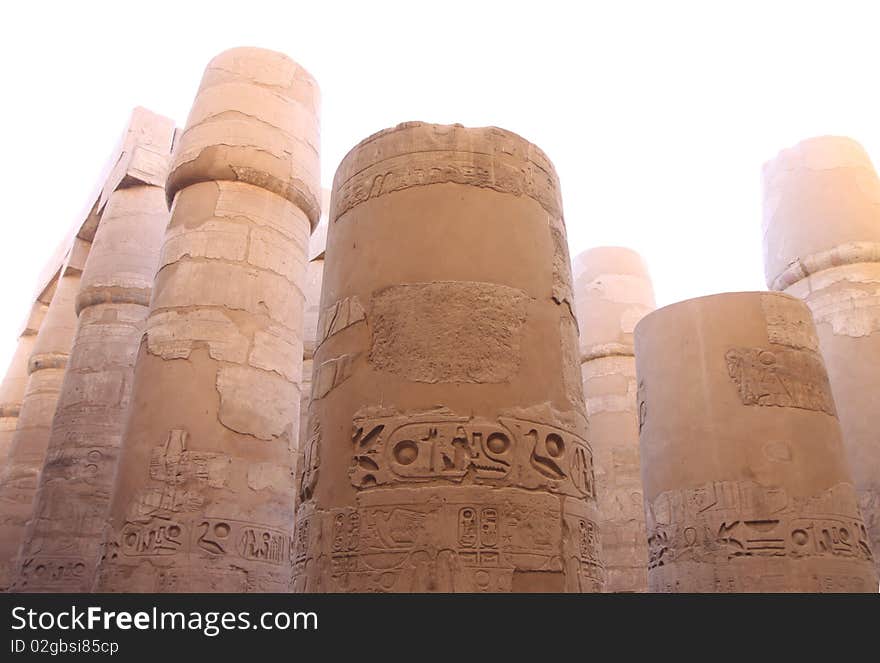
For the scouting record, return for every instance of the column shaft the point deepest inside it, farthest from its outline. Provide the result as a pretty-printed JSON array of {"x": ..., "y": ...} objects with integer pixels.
[
  {"x": 203, "y": 498},
  {"x": 447, "y": 446},
  {"x": 613, "y": 292},
  {"x": 12, "y": 392},
  {"x": 822, "y": 244},
  {"x": 27, "y": 452},
  {"x": 746, "y": 483},
  {"x": 63, "y": 536}
]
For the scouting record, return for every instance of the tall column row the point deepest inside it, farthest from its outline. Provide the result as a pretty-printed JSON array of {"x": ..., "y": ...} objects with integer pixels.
[
  {"x": 14, "y": 383},
  {"x": 20, "y": 474},
  {"x": 60, "y": 546},
  {"x": 203, "y": 497}
]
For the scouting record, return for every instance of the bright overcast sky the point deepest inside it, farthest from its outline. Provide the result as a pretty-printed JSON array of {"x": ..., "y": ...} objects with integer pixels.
[{"x": 657, "y": 115}]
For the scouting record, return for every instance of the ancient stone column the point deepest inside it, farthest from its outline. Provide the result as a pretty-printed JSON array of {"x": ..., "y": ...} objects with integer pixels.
[
  {"x": 311, "y": 311},
  {"x": 822, "y": 244},
  {"x": 203, "y": 498},
  {"x": 14, "y": 384},
  {"x": 746, "y": 483},
  {"x": 613, "y": 292},
  {"x": 62, "y": 539},
  {"x": 447, "y": 446},
  {"x": 27, "y": 452}
]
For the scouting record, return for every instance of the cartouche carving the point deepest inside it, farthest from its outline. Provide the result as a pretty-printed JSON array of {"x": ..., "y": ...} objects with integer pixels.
[
  {"x": 439, "y": 446},
  {"x": 784, "y": 378}
]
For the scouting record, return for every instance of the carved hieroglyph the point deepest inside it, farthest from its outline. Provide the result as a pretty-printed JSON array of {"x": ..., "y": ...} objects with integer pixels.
[
  {"x": 203, "y": 499},
  {"x": 746, "y": 483},
  {"x": 14, "y": 384},
  {"x": 822, "y": 244},
  {"x": 27, "y": 452},
  {"x": 446, "y": 448},
  {"x": 613, "y": 292},
  {"x": 311, "y": 312},
  {"x": 62, "y": 539}
]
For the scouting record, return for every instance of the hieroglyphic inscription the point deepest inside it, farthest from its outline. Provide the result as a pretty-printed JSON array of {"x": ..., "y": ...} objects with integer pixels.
[
  {"x": 486, "y": 171},
  {"x": 180, "y": 472},
  {"x": 449, "y": 544},
  {"x": 213, "y": 536},
  {"x": 642, "y": 399},
  {"x": 57, "y": 573},
  {"x": 789, "y": 322},
  {"x": 152, "y": 537},
  {"x": 338, "y": 316},
  {"x": 311, "y": 462},
  {"x": 331, "y": 373},
  {"x": 723, "y": 520},
  {"x": 440, "y": 446},
  {"x": 783, "y": 377},
  {"x": 562, "y": 293},
  {"x": 571, "y": 367},
  {"x": 245, "y": 540}
]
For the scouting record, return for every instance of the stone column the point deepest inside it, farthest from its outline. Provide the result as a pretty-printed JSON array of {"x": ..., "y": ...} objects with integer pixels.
[
  {"x": 203, "y": 498},
  {"x": 746, "y": 483},
  {"x": 63, "y": 536},
  {"x": 822, "y": 244},
  {"x": 14, "y": 384},
  {"x": 27, "y": 452},
  {"x": 613, "y": 292},
  {"x": 447, "y": 446},
  {"x": 312, "y": 288}
]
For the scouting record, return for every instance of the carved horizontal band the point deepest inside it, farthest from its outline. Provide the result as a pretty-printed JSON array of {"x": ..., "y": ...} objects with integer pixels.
[
  {"x": 8, "y": 410},
  {"x": 92, "y": 296},
  {"x": 843, "y": 254},
  {"x": 218, "y": 163},
  {"x": 608, "y": 350},
  {"x": 38, "y": 362},
  {"x": 488, "y": 158}
]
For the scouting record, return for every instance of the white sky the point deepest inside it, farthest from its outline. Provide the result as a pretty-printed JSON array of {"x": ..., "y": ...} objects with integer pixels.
[{"x": 657, "y": 115}]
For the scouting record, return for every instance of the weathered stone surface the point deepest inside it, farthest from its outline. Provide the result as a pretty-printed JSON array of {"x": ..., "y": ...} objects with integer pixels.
[
  {"x": 203, "y": 498},
  {"x": 63, "y": 536},
  {"x": 612, "y": 292},
  {"x": 822, "y": 244},
  {"x": 742, "y": 495},
  {"x": 27, "y": 452},
  {"x": 12, "y": 392},
  {"x": 445, "y": 331},
  {"x": 245, "y": 126},
  {"x": 445, "y": 451},
  {"x": 312, "y": 336}
]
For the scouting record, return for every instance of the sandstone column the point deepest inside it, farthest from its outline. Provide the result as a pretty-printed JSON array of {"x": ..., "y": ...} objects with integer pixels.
[
  {"x": 203, "y": 498},
  {"x": 62, "y": 538},
  {"x": 822, "y": 244},
  {"x": 27, "y": 452},
  {"x": 312, "y": 288},
  {"x": 613, "y": 292},
  {"x": 12, "y": 389},
  {"x": 447, "y": 446},
  {"x": 746, "y": 483}
]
